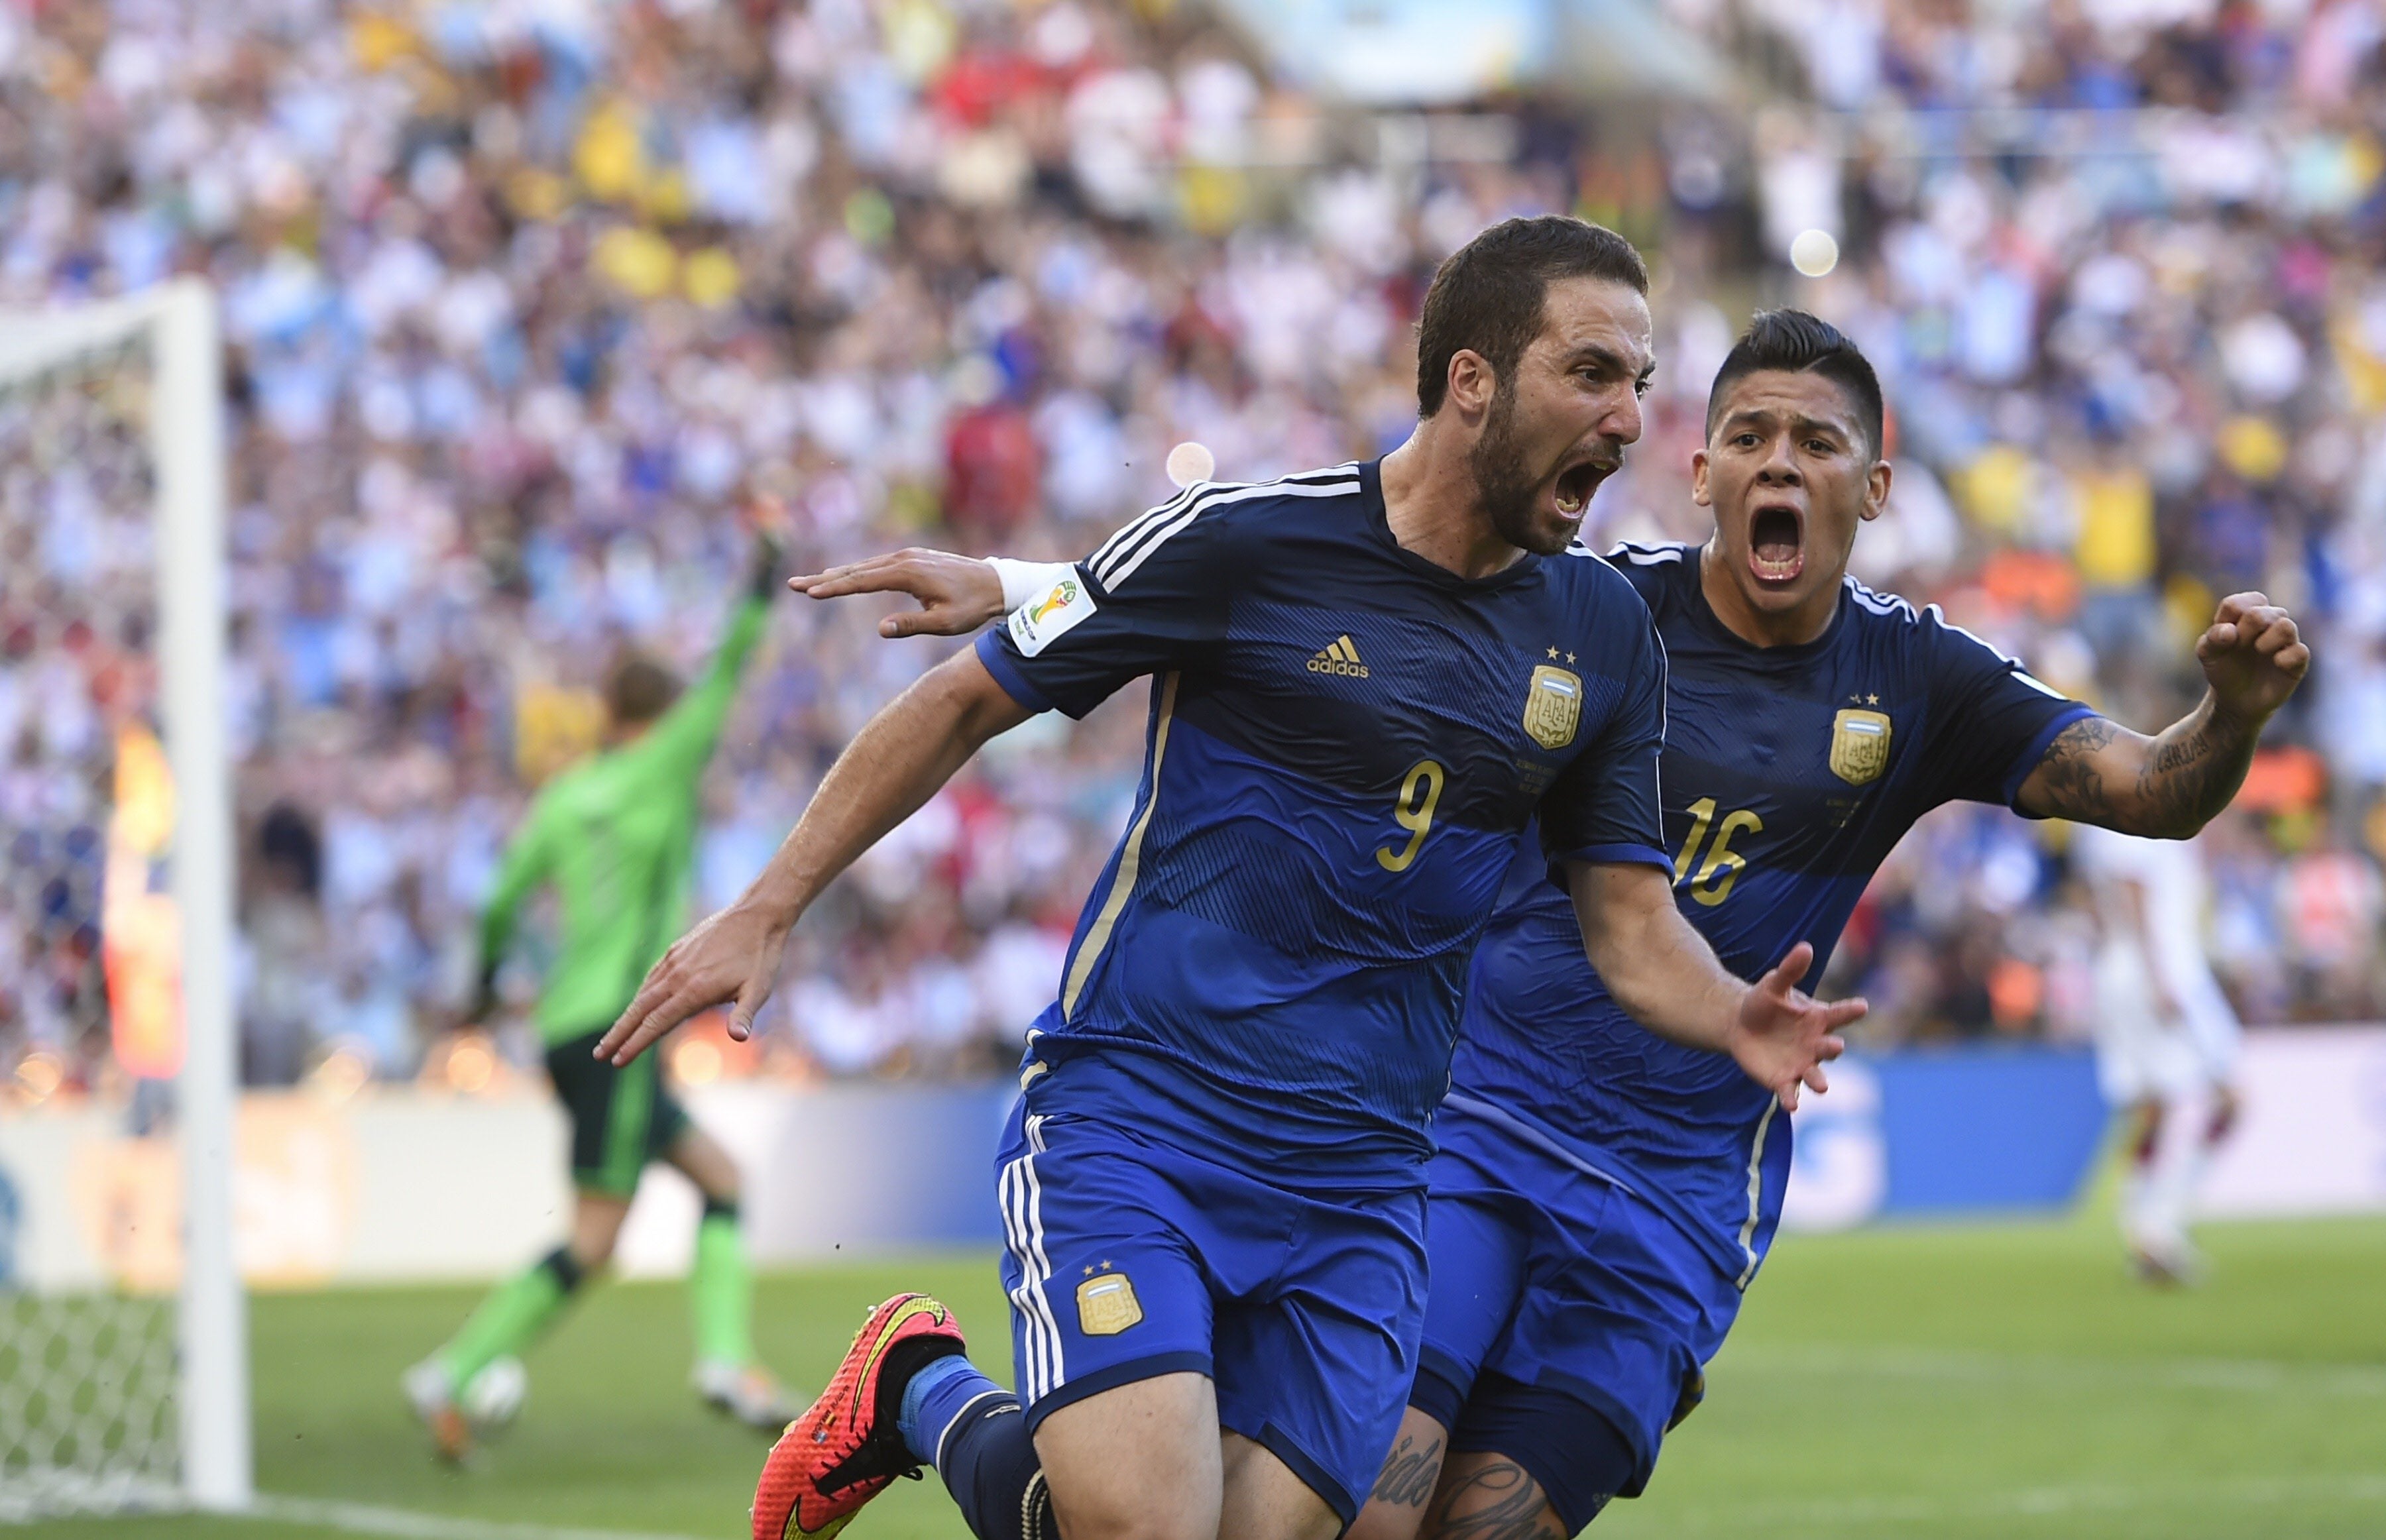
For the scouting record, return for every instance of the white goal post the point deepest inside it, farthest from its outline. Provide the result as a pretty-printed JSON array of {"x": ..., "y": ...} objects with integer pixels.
[{"x": 177, "y": 326}]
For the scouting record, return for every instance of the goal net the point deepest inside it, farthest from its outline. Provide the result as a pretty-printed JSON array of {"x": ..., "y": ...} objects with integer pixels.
[{"x": 123, "y": 1364}]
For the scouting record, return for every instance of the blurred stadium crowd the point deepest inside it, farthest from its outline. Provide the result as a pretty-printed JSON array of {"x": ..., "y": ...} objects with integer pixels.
[{"x": 533, "y": 304}]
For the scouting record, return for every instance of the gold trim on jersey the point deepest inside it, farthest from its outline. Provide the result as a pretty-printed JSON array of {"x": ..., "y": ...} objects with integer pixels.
[{"x": 1097, "y": 936}]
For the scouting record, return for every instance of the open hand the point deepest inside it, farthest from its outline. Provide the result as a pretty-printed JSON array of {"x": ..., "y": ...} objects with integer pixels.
[
  {"x": 2252, "y": 658},
  {"x": 731, "y": 958},
  {"x": 1784, "y": 1036},
  {"x": 957, "y": 594}
]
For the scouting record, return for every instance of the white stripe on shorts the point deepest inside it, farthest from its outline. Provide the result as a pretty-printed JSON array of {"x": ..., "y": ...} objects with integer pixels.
[
  {"x": 1009, "y": 1188},
  {"x": 1022, "y": 1193}
]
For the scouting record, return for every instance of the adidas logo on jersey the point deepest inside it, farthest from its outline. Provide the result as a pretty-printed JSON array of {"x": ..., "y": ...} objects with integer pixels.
[{"x": 1340, "y": 658}]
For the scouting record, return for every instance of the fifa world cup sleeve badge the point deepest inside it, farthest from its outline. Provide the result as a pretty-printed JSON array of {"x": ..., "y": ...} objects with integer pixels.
[
  {"x": 1034, "y": 624},
  {"x": 1860, "y": 747},
  {"x": 1107, "y": 1304},
  {"x": 1553, "y": 708}
]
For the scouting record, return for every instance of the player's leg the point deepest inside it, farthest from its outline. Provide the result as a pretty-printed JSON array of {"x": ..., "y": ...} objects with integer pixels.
[
  {"x": 1264, "y": 1498},
  {"x": 1141, "y": 1461},
  {"x": 1111, "y": 1317},
  {"x": 2164, "y": 1158},
  {"x": 1315, "y": 1371},
  {"x": 1118, "y": 1253},
  {"x": 2222, "y": 1108},
  {"x": 1530, "y": 1463},
  {"x": 1404, "y": 1488},
  {"x": 2214, "y": 1120},
  {"x": 520, "y": 1309},
  {"x": 1600, "y": 1359},
  {"x": 2188, "y": 1111},
  {"x": 596, "y": 1218},
  {"x": 2142, "y": 1134},
  {"x": 2129, "y": 1067},
  {"x": 1491, "y": 1494},
  {"x": 973, "y": 1432},
  {"x": 1475, "y": 1253},
  {"x": 609, "y": 1111},
  {"x": 2199, "y": 1109},
  {"x": 721, "y": 1286}
]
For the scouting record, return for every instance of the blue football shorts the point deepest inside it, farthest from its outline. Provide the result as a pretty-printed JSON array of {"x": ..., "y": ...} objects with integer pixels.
[
  {"x": 1548, "y": 1277},
  {"x": 1125, "y": 1258}
]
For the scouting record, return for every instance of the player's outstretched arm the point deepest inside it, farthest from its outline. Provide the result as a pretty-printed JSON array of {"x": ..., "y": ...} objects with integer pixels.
[
  {"x": 894, "y": 764},
  {"x": 2171, "y": 784},
  {"x": 957, "y": 594},
  {"x": 1664, "y": 974}
]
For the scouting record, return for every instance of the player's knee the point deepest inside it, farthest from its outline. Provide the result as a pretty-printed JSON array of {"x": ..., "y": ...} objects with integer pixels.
[
  {"x": 595, "y": 1231},
  {"x": 587, "y": 1253},
  {"x": 1138, "y": 1462},
  {"x": 568, "y": 1271},
  {"x": 1133, "y": 1501},
  {"x": 1093, "y": 1517}
]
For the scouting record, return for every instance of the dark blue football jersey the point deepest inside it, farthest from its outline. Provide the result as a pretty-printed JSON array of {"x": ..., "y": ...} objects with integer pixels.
[
  {"x": 1344, "y": 744},
  {"x": 1789, "y": 773}
]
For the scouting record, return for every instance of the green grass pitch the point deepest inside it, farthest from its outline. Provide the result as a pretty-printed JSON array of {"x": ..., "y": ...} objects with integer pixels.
[{"x": 2004, "y": 1382}]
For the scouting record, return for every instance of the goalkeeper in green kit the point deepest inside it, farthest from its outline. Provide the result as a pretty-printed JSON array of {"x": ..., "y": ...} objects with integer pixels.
[{"x": 615, "y": 835}]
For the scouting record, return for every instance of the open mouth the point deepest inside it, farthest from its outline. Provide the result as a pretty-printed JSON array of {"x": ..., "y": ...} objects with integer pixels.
[
  {"x": 1577, "y": 481},
  {"x": 1777, "y": 549}
]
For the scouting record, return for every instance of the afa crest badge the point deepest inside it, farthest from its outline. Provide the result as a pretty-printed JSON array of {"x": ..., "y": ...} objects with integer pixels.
[
  {"x": 1860, "y": 747},
  {"x": 1107, "y": 1304},
  {"x": 1553, "y": 708}
]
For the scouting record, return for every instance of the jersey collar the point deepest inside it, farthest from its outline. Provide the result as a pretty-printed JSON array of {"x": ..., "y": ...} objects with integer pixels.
[
  {"x": 1704, "y": 617},
  {"x": 1371, "y": 492}
]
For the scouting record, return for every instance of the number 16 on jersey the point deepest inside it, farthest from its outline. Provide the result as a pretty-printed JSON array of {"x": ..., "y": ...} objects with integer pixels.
[{"x": 1723, "y": 864}]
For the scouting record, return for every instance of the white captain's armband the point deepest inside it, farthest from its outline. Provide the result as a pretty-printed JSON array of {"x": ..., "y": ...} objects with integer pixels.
[
  {"x": 1051, "y": 613},
  {"x": 1026, "y": 581}
]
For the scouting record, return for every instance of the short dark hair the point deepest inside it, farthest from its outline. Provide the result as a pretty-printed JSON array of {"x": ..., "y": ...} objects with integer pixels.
[
  {"x": 1488, "y": 294},
  {"x": 1796, "y": 343},
  {"x": 638, "y": 690}
]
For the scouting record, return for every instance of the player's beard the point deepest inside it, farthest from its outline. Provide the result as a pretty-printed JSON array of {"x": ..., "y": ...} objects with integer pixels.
[{"x": 1509, "y": 496}]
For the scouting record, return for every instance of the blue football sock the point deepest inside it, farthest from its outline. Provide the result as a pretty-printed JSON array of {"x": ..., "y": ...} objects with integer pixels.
[
  {"x": 936, "y": 1393},
  {"x": 971, "y": 1429}
]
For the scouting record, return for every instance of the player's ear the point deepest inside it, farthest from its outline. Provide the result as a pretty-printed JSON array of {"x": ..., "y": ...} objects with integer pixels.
[
  {"x": 1699, "y": 492},
  {"x": 1471, "y": 383},
  {"x": 1876, "y": 489}
]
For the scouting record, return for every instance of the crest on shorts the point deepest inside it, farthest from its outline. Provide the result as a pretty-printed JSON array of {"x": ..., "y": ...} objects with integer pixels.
[
  {"x": 1552, "y": 707},
  {"x": 1107, "y": 1304},
  {"x": 1860, "y": 747}
]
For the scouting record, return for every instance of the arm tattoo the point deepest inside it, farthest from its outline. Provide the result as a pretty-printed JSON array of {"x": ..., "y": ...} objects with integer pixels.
[
  {"x": 2192, "y": 770},
  {"x": 1497, "y": 1502},
  {"x": 2183, "y": 777},
  {"x": 1409, "y": 1474},
  {"x": 2075, "y": 788}
]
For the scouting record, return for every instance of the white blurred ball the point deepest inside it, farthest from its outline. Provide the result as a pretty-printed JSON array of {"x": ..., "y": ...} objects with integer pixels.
[
  {"x": 1190, "y": 462},
  {"x": 494, "y": 1396},
  {"x": 1813, "y": 253}
]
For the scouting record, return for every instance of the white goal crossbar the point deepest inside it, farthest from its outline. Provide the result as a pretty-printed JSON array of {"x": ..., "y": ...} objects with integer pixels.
[{"x": 186, "y": 435}]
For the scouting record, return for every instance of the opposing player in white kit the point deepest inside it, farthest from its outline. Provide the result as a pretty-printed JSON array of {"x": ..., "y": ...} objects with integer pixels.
[{"x": 2167, "y": 1037}]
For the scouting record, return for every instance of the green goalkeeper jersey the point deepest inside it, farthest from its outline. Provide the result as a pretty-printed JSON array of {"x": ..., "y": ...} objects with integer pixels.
[{"x": 616, "y": 834}]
